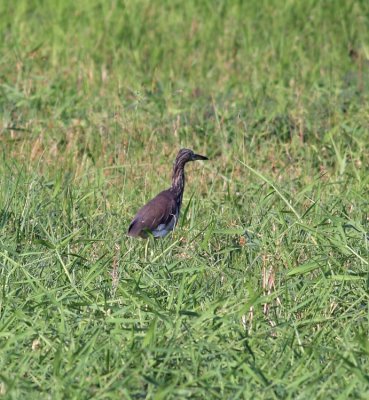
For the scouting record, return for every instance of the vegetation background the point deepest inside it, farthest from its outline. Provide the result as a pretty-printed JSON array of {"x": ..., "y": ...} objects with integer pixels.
[{"x": 262, "y": 291}]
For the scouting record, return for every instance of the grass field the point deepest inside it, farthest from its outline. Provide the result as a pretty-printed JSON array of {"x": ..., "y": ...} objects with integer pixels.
[{"x": 262, "y": 292}]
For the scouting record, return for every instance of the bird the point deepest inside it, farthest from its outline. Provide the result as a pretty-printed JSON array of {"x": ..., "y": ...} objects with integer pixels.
[{"x": 160, "y": 215}]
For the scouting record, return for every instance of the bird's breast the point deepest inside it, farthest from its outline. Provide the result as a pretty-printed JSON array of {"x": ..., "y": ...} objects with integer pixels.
[{"x": 163, "y": 229}]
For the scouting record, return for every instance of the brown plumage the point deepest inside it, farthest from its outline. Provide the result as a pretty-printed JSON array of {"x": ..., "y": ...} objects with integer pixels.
[{"x": 160, "y": 215}]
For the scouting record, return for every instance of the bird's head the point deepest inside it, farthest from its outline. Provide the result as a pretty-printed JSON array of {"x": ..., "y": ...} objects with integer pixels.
[{"x": 186, "y": 155}]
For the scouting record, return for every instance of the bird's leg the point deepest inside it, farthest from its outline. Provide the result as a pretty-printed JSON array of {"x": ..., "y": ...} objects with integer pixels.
[
  {"x": 168, "y": 273},
  {"x": 146, "y": 248}
]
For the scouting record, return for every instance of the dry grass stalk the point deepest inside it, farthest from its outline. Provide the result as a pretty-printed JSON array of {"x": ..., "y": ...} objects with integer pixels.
[{"x": 115, "y": 273}]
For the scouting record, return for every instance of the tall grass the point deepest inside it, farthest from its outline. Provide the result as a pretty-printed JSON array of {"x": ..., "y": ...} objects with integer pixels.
[{"x": 262, "y": 290}]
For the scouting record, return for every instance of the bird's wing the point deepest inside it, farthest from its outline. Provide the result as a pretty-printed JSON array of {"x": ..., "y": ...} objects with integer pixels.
[{"x": 160, "y": 210}]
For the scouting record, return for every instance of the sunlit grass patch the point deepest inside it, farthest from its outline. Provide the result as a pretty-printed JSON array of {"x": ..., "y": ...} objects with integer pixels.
[{"x": 262, "y": 289}]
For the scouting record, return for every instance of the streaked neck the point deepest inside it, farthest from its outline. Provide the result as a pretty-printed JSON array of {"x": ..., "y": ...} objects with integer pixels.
[{"x": 178, "y": 180}]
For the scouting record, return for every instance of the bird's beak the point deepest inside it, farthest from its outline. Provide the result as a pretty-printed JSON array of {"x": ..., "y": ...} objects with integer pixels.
[{"x": 199, "y": 157}]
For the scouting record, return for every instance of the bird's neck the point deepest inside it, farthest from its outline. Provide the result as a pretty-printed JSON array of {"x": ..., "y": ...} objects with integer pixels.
[{"x": 178, "y": 182}]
